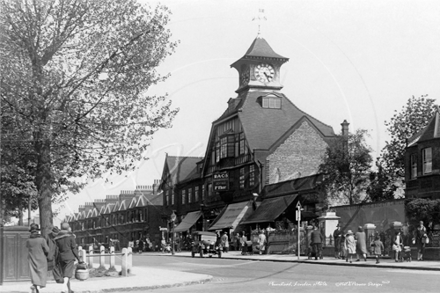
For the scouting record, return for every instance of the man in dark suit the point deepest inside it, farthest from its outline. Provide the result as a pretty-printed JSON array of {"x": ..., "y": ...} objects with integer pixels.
[
  {"x": 68, "y": 252},
  {"x": 316, "y": 239}
]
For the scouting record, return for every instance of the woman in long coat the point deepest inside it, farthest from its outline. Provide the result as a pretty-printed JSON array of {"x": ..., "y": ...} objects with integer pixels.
[
  {"x": 361, "y": 244},
  {"x": 38, "y": 250}
]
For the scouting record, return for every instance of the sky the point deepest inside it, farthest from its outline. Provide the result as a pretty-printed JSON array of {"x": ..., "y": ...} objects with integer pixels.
[{"x": 353, "y": 60}]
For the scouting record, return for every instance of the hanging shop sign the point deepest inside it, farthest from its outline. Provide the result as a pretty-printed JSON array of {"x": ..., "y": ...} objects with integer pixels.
[{"x": 220, "y": 181}]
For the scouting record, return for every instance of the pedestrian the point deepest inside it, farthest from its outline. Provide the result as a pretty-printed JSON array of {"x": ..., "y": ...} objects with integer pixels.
[
  {"x": 237, "y": 242},
  {"x": 261, "y": 242},
  {"x": 377, "y": 248},
  {"x": 225, "y": 242},
  {"x": 350, "y": 245},
  {"x": 37, "y": 253},
  {"x": 420, "y": 240},
  {"x": 52, "y": 258},
  {"x": 316, "y": 239},
  {"x": 141, "y": 246},
  {"x": 397, "y": 245},
  {"x": 361, "y": 244},
  {"x": 337, "y": 236},
  {"x": 243, "y": 242},
  {"x": 343, "y": 249},
  {"x": 68, "y": 252}
]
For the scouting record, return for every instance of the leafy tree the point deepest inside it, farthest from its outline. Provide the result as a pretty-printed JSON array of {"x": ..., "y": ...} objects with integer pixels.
[
  {"x": 413, "y": 117},
  {"x": 75, "y": 76},
  {"x": 380, "y": 187},
  {"x": 346, "y": 164}
]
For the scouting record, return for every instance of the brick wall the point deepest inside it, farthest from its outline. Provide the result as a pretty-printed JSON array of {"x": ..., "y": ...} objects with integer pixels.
[{"x": 298, "y": 156}]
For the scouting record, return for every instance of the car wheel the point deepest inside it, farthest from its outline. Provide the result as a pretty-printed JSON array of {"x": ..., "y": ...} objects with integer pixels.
[{"x": 219, "y": 254}]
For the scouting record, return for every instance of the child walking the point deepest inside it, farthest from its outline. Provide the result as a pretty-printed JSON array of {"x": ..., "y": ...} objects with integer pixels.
[
  {"x": 377, "y": 248},
  {"x": 350, "y": 245}
]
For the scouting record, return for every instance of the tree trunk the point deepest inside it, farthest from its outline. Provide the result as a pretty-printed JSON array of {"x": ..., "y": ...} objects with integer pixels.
[{"x": 43, "y": 184}]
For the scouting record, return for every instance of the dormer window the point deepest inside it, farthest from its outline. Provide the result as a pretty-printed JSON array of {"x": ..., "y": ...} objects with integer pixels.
[{"x": 271, "y": 102}]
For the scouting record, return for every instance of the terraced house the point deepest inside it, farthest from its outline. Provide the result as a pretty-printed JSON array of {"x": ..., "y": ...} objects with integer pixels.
[
  {"x": 260, "y": 142},
  {"x": 132, "y": 215}
]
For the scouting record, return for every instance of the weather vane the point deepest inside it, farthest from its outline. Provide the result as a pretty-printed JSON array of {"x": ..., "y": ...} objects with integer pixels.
[{"x": 259, "y": 19}]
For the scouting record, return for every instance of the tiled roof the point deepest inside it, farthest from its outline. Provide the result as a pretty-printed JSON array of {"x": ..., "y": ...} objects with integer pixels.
[
  {"x": 264, "y": 126},
  {"x": 260, "y": 48},
  {"x": 432, "y": 130},
  {"x": 180, "y": 167}
]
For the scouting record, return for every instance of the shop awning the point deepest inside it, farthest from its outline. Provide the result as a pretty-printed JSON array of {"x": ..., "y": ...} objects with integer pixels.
[
  {"x": 231, "y": 217},
  {"x": 187, "y": 222},
  {"x": 270, "y": 209}
]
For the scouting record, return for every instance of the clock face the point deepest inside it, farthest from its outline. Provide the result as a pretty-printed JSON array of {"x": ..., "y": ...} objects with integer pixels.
[{"x": 264, "y": 73}]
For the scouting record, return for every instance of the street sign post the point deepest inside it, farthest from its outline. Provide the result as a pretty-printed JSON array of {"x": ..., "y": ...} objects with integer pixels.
[
  {"x": 173, "y": 219},
  {"x": 298, "y": 219}
]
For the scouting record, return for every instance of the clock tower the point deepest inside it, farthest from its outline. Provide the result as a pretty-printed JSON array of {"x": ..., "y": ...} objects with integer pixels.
[{"x": 259, "y": 68}]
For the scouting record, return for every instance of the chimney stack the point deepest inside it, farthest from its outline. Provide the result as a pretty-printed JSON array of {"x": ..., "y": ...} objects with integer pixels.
[{"x": 345, "y": 128}]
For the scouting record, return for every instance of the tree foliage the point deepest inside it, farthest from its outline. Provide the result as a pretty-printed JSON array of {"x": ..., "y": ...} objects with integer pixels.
[
  {"x": 75, "y": 76},
  {"x": 412, "y": 118},
  {"x": 423, "y": 209},
  {"x": 346, "y": 164}
]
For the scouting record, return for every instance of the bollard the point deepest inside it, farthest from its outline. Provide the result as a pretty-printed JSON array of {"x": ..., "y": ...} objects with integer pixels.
[
  {"x": 82, "y": 254},
  {"x": 129, "y": 260},
  {"x": 124, "y": 262},
  {"x": 92, "y": 260},
  {"x": 102, "y": 257},
  {"x": 112, "y": 257}
]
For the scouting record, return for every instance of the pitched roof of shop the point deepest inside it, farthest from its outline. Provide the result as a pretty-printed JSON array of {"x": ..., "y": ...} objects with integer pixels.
[
  {"x": 264, "y": 126},
  {"x": 179, "y": 167}
]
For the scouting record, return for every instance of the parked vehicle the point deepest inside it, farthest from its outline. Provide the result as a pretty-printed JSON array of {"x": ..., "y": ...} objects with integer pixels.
[{"x": 205, "y": 243}]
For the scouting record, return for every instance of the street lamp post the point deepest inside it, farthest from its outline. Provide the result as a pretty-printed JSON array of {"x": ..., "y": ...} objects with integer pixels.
[{"x": 173, "y": 219}]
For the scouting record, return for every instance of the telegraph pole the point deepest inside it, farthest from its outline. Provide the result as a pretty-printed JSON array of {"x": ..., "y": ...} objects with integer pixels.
[{"x": 298, "y": 219}]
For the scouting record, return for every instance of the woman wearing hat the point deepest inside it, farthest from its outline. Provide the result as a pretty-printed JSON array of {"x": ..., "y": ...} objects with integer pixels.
[
  {"x": 350, "y": 245},
  {"x": 38, "y": 250}
]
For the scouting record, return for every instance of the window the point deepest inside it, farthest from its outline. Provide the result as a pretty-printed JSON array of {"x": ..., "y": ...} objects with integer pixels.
[
  {"x": 251, "y": 175},
  {"x": 413, "y": 166},
  {"x": 224, "y": 147},
  {"x": 183, "y": 196},
  {"x": 196, "y": 194},
  {"x": 217, "y": 152},
  {"x": 271, "y": 102},
  {"x": 189, "y": 195},
  {"x": 242, "y": 146},
  {"x": 203, "y": 193},
  {"x": 172, "y": 196},
  {"x": 167, "y": 199},
  {"x": 427, "y": 160},
  {"x": 242, "y": 179}
]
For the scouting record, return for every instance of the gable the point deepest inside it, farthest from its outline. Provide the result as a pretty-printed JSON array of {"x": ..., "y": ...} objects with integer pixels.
[
  {"x": 299, "y": 155},
  {"x": 264, "y": 126}
]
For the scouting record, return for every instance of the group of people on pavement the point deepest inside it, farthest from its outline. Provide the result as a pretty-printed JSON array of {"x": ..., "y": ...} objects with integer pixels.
[
  {"x": 351, "y": 244},
  {"x": 57, "y": 253}
]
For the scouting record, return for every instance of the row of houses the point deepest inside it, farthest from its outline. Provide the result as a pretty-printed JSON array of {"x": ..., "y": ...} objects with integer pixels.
[{"x": 261, "y": 161}]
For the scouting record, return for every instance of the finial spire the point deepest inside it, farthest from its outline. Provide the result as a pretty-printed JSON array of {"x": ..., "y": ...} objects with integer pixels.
[{"x": 260, "y": 18}]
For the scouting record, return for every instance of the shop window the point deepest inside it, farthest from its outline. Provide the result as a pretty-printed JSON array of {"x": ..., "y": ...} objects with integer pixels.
[
  {"x": 189, "y": 195},
  {"x": 183, "y": 196}
]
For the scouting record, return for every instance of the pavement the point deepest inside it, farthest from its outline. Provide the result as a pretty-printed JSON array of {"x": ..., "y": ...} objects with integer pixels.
[{"x": 146, "y": 278}]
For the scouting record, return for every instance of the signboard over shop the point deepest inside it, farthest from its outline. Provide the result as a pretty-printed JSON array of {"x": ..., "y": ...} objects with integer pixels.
[{"x": 221, "y": 181}]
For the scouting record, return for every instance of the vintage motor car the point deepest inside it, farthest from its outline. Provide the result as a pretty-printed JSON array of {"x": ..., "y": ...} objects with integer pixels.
[{"x": 205, "y": 243}]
